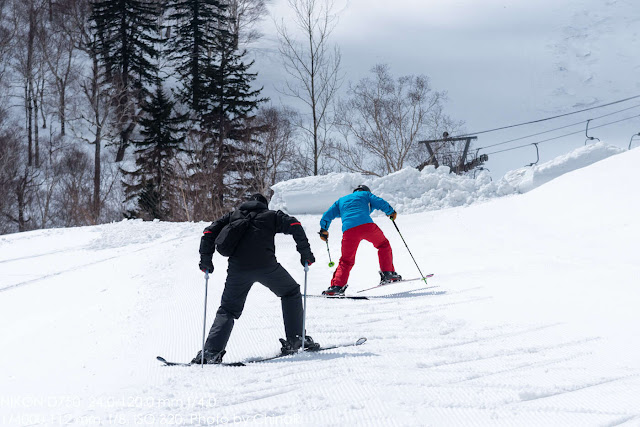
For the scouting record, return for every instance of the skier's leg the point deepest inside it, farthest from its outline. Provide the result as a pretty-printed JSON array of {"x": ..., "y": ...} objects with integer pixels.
[
  {"x": 280, "y": 282},
  {"x": 234, "y": 296},
  {"x": 374, "y": 235},
  {"x": 350, "y": 241}
]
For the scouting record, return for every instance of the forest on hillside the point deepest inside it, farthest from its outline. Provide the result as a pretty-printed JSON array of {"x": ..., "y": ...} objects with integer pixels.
[{"x": 148, "y": 109}]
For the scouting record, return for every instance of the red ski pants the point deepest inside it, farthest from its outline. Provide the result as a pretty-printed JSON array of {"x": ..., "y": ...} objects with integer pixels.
[{"x": 351, "y": 240}]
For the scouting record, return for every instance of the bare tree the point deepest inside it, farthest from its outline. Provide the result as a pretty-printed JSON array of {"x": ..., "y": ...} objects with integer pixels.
[
  {"x": 312, "y": 65},
  {"x": 274, "y": 147},
  {"x": 10, "y": 150},
  {"x": 17, "y": 181},
  {"x": 93, "y": 125},
  {"x": 46, "y": 187},
  {"x": 384, "y": 118},
  {"x": 60, "y": 55},
  {"x": 244, "y": 16},
  {"x": 193, "y": 180},
  {"x": 7, "y": 31},
  {"x": 28, "y": 63},
  {"x": 73, "y": 200},
  {"x": 92, "y": 120}
]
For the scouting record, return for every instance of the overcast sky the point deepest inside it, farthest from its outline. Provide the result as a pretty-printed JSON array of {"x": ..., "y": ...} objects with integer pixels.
[{"x": 501, "y": 62}]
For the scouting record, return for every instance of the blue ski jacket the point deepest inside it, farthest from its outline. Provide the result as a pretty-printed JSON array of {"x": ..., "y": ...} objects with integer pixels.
[{"x": 354, "y": 209}]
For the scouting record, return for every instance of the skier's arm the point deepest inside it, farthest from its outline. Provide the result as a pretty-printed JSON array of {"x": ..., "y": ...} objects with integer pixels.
[
  {"x": 380, "y": 204},
  {"x": 332, "y": 213},
  {"x": 289, "y": 225},
  {"x": 208, "y": 240}
]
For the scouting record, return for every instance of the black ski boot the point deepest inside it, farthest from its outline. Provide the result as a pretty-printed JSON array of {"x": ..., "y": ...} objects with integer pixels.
[
  {"x": 335, "y": 291},
  {"x": 213, "y": 358},
  {"x": 291, "y": 346},
  {"x": 389, "y": 277}
]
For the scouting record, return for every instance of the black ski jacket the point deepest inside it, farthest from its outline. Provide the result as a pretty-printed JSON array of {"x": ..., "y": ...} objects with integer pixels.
[{"x": 257, "y": 248}]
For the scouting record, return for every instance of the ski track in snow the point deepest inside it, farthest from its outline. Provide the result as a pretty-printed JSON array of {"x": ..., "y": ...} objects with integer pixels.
[{"x": 104, "y": 301}]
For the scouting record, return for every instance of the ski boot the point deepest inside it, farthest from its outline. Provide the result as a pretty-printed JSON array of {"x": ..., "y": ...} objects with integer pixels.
[
  {"x": 389, "y": 277},
  {"x": 335, "y": 291},
  {"x": 291, "y": 346},
  {"x": 210, "y": 357}
]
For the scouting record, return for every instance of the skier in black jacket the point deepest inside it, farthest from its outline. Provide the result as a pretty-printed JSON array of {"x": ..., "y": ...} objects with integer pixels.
[{"x": 252, "y": 261}]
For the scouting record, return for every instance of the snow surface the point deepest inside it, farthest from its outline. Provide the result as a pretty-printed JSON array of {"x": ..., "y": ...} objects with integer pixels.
[
  {"x": 411, "y": 191},
  {"x": 530, "y": 320}
]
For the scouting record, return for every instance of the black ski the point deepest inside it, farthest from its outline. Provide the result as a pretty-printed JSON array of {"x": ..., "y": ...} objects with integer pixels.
[
  {"x": 339, "y": 296},
  {"x": 360, "y": 341}
]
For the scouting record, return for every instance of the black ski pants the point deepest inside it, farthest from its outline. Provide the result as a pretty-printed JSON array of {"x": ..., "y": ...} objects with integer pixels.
[{"x": 236, "y": 289}]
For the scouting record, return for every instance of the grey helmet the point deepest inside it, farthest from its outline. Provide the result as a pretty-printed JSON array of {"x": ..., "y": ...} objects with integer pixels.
[{"x": 362, "y": 187}]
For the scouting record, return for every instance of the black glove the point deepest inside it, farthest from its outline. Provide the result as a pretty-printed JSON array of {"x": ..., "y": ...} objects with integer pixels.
[
  {"x": 324, "y": 234},
  {"x": 206, "y": 264},
  {"x": 308, "y": 258}
]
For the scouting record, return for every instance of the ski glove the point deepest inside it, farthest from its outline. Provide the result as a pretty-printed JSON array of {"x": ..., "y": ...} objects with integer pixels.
[
  {"x": 393, "y": 216},
  {"x": 206, "y": 264},
  {"x": 324, "y": 234},
  {"x": 308, "y": 258}
]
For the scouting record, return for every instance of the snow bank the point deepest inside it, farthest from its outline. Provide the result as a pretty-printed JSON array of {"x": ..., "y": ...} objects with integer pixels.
[
  {"x": 408, "y": 190},
  {"x": 313, "y": 194},
  {"x": 411, "y": 191},
  {"x": 527, "y": 178}
]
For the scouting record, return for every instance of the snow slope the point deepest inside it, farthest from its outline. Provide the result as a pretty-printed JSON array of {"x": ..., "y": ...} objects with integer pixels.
[{"x": 530, "y": 320}]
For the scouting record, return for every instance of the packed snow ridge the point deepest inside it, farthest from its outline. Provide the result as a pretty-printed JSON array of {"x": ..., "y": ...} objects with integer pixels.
[{"x": 411, "y": 191}]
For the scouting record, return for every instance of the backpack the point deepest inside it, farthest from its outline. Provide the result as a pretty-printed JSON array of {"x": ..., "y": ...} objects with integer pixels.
[{"x": 231, "y": 234}]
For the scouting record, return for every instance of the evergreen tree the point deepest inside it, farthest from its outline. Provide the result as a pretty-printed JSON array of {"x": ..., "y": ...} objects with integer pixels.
[
  {"x": 191, "y": 48},
  {"x": 126, "y": 36},
  {"x": 228, "y": 121},
  {"x": 216, "y": 85},
  {"x": 151, "y": 182}
]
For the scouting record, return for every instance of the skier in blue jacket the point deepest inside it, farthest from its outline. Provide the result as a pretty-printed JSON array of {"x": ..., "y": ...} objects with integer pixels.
[{"x": 355, "y": 210}]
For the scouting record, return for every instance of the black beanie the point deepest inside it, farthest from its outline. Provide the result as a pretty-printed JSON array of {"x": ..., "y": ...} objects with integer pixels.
[{"x": 259, "y": 198}]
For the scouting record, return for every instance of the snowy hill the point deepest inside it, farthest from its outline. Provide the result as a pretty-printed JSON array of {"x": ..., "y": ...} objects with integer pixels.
[{"x": 530, "y": 320}]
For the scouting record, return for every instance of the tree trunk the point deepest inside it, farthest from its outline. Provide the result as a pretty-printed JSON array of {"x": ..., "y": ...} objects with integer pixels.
[
  {"x": 96, "y": 177},
  {"x": 27, "y": 98},
  {"x": 29, "y": 72},
  {"x": 312, "y": 76},
  {"x": 63, "y": 107},
  {"x": 36, "y": 131},
  {"x": 97, "y": 203},
  {"x": 20, "y": 194}
]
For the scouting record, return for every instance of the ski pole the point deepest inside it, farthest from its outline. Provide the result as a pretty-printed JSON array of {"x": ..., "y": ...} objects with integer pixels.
[
  {"x": 405, "y": 244},
  {"x": 331, "y": 263},
  {"x": 204, "y": 324},
  {"x": 304, "y": 307}
]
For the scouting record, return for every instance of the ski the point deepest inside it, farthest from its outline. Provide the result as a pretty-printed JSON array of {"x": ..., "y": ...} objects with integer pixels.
[
  {"x": 360, "y": 341},
  {"x": 397, "y": 281},
  {"x": 339, "y": 296},
  {"x": 166, "y": 362}
]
